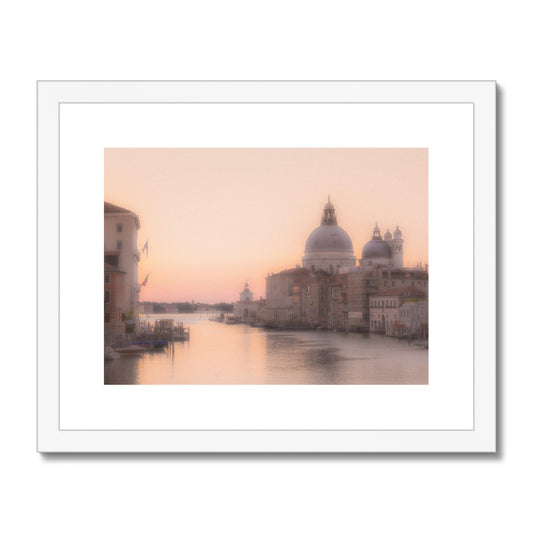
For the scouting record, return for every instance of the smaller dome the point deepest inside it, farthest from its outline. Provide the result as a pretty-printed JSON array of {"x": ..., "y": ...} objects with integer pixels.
[
  {"x": 387, "y": 236},
  {"x": 376, "y": 249},
  {"x": 397, "y": 233}
]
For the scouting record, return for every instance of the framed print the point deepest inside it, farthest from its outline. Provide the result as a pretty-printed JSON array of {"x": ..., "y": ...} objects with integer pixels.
[{"x": 273, "y": 266}]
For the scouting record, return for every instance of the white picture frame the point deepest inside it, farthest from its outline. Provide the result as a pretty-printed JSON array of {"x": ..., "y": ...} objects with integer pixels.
[{"x": 463, "y": 415}]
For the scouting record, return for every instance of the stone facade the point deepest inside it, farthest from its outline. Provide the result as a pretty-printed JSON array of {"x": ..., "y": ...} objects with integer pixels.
[
  {"x": 297, "y": 298},
  {"x": 121, "y": 257},
  {"x": 387, "y": 310},
  {"x": 114, "y": 317},
  {"x": 332, "y": 291}
]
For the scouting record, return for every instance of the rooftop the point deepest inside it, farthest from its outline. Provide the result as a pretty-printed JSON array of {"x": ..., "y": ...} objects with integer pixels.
[
  {"x": 112, "y": 208},
  {"x": 406, "y": 292}
]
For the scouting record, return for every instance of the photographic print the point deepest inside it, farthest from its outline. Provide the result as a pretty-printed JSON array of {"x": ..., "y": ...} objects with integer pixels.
[
  {"x": 268, "y": 252},
  {"x": 266, "y": 266}
]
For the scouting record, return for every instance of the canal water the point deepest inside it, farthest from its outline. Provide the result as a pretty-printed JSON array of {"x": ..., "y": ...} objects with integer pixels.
[{"x": 239, "y": 354}]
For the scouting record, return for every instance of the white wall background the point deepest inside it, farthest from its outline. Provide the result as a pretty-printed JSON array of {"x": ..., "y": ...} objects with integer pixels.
[{"x": 275, "y": 40}]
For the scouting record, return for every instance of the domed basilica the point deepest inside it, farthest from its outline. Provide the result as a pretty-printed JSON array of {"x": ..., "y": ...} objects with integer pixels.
[
  {"x": 334, "y": 291},
  {"x": 330, "y": 249}
]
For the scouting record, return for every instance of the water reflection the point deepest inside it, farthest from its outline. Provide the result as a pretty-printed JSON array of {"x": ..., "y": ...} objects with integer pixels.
[{"x": 239, "y": 354}]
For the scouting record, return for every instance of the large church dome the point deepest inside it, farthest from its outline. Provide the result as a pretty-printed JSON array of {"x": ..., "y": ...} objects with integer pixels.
[
  {"x": 328, "y": 247},
  {"x": 328, "y": 238}
]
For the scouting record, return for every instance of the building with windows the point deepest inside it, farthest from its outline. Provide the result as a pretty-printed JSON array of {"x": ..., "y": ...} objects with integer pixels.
[
  {"x": 331, "y": 290},
  {"x": 297, "y": 297},
  {"x": 121, "y": 257},
  {"x": 389, "y": 315},
  {"x": 114, "y": 324},
  {"x": 414, "y": 315}
]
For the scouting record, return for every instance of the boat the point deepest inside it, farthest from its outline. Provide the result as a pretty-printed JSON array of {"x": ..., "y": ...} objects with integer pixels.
[
  {"x": 151, "y": 344},
  {"x": 231, "y": 320},
  {"x": 180, "y": 332},
  {"x": 110, "y": 353},
  {"x": 132, "y": 349}
]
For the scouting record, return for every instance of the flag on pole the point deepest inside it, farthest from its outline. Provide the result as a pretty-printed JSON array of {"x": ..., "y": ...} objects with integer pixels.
[
  {"x": 143, "y": 284},
  {"x": 145, "y": 247}
]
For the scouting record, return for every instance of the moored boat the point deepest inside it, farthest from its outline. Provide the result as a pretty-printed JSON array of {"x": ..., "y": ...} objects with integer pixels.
[
  {"x": 132, "y": 349},
  {"x": 110, "y": 353},
  {"x": 152, "y": 344}
]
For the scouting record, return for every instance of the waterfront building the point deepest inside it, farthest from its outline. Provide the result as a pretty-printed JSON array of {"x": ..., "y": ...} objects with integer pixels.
[
  {"x": 246, "y": 309},
  {"x": 385, "y": 307},
  {"x": 363, "y": 283},
  {"x": 297, "y": 297},
  {"x": 114, "y": 323},
  {"x": 338, "y": 310},
  {"x": 331, "y": 290},
  {"x": 121, "y": 257},
  {"x": 415, "y": 316},
  {"x": 280, "y": 306}
]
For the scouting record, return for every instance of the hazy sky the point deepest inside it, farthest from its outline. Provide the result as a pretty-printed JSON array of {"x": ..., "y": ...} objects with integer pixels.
[{"x": 216, "y": 217}]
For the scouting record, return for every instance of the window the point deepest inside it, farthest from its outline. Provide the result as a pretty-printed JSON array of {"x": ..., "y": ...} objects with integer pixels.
[
  {"x": 106, "y": 278},
  {"x": 119, "y": 228},
  {"x": 112, "y": 259},
  {"x": 107, "y": 317},
  {"x": 106, "y": 297},
  {"x": 119, "y": 245},
  {"x": 393, "y": 283}
]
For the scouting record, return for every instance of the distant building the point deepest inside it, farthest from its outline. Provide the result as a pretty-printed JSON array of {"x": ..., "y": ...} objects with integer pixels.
[
  {"x": 387, "y": 310},
  {"x": 246, "y": 309},
  {"x": 121, "y": 257},
  {"x": 146, "y": 308},
  {"x": 246, "y": 295}
]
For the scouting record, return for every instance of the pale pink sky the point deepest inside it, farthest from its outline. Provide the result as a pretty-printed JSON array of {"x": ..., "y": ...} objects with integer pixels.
[{"x": 216, "y": 217}]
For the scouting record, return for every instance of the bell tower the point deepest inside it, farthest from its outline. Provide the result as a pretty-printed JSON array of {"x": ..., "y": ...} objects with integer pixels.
[{"x": 397, "y": 249}]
